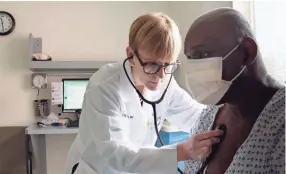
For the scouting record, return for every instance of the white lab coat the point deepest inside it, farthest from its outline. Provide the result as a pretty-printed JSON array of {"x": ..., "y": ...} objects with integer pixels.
[{"x": 116, "y": 134}]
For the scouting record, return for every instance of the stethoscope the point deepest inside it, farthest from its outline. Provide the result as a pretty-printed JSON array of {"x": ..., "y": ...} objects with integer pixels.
[{"x": 152, "y": 103}]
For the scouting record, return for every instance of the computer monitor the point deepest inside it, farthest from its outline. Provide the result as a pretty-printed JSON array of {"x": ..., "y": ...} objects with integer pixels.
[{"x": 73, "y": 94}]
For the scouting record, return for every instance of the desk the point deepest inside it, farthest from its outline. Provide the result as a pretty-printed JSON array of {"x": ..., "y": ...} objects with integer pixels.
[{"x": 36, "y": 146}]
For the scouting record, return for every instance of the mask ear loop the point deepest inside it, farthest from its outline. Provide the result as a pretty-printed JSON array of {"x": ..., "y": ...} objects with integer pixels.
[
  {"x": 244, "y": 67},
  {"x": 241, "y": 71},
  {"x": 226, "y": 56},
  {"x": 254, "y": 58}
]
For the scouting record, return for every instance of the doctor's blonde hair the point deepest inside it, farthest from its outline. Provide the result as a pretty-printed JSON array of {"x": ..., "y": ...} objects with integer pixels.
[{"x": 156, "y": 34}]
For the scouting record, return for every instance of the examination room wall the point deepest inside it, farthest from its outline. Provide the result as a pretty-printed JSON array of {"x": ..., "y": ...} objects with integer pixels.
[{"x": 70, "y": 31}]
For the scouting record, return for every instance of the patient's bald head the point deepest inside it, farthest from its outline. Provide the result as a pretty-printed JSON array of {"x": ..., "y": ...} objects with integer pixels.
[
  {"x": 220, "y": 23},
  {"x": 216, "y": 33}
]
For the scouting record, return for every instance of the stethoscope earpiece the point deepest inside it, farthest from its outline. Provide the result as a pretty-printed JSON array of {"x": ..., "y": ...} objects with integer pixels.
[{"x": 129, "y": 58}]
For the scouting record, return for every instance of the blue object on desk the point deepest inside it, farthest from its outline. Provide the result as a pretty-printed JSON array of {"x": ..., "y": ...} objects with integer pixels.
[
  {"x": 57, "y": 124},
  {"x": 173, "y": 138}
]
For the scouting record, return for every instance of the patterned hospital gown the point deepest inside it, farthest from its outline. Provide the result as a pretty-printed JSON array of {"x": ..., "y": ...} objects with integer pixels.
[{"x": 263, "y": 152}]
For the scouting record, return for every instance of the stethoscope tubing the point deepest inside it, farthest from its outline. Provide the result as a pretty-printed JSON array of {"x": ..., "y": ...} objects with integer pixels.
[{"x": 152, "y": 103}]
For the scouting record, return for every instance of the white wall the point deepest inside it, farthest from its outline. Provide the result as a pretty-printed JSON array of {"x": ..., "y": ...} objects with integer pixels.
[
  {"x": 184, "y": 12},
  {"x": 71, "y": 31}
]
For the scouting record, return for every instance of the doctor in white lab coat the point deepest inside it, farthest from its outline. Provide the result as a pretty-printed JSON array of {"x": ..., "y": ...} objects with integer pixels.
[{"x": 116, "y": 131}]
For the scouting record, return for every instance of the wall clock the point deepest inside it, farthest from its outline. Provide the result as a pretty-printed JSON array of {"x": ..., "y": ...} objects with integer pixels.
[{"x": 7, "y": 23}]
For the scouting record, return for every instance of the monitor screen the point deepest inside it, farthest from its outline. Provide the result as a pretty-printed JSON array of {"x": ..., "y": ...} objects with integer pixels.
[{"x": 73, "y": 94}]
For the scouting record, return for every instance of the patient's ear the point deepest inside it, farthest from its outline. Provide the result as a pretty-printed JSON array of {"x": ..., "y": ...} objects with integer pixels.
[
  {"x": 130, "y": 54},
  {"x": 251, "y": 50}
]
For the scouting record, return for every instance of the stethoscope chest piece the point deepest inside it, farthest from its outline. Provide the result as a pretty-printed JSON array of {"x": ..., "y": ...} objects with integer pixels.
[{"x": 224, "y": 129}]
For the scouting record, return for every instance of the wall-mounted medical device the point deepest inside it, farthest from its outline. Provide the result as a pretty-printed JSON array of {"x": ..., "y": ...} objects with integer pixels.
[
  {"x": 41, "y": 107},
  {"x": 39, "y": 80}
]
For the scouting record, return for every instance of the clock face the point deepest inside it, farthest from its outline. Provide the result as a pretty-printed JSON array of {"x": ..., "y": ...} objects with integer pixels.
[{"x": 7, "y": 23}]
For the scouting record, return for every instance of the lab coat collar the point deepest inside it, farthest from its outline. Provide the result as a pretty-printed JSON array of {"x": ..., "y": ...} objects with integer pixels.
[{"x": 128, "y": 92}]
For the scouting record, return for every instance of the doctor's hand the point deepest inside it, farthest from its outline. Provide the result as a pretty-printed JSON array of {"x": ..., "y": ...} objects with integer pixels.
[{"x": 199, "y": 146}]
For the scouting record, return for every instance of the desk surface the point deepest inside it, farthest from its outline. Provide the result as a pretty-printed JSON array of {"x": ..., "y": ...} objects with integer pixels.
[{"x": 34, "y": 129}]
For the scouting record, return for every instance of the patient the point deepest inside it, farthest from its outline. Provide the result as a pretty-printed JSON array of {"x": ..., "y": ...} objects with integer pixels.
[{"x": 226, "y": 67}]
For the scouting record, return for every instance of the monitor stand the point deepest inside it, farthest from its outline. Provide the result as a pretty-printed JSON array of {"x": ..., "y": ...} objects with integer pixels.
[{"x": 74, "y": 123}]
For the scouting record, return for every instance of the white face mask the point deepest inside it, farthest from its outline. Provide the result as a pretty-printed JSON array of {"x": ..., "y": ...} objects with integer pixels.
[{"x": 204, "y": 78}]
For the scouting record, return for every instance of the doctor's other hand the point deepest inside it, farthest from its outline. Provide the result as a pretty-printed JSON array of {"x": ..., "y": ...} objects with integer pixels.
[{"x": 199, "y": 146}]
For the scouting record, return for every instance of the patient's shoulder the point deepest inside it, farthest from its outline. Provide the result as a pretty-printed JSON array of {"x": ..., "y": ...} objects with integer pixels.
[{"x": 277, "y": 103}]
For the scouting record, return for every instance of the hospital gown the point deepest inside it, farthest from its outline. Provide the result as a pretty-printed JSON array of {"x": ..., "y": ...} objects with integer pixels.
[{"x": 263, "y": 151}]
